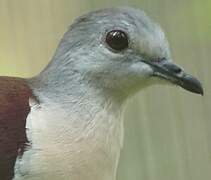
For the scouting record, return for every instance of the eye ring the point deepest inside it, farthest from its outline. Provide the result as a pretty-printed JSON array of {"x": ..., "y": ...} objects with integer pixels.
[{"x": 117, "y": 40}]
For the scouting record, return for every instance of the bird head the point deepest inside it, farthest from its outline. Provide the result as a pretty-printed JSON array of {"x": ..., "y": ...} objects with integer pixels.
[{"x": 122, "y": 50}]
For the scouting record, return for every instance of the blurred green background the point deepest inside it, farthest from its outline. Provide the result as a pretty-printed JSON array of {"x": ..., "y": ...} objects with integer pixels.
[{"x": 167, "y": 130}]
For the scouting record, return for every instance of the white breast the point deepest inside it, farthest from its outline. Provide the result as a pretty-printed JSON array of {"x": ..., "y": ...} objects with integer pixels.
[{"x": 68, "y": 146}]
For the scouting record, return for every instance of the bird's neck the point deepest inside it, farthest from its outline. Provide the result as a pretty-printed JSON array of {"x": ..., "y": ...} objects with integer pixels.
[
  {"x": 86, "y": 118},
  {"x": 82, "y": 103}
]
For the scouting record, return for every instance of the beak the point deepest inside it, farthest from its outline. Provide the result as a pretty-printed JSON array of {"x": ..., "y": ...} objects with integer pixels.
[{"x": 171, "y": 72}]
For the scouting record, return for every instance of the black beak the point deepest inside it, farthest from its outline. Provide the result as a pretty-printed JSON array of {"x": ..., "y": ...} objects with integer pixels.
[{"x": 171, "y": 72}]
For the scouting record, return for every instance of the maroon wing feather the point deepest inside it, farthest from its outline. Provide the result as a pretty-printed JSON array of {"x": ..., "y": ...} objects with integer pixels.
[{"x": 14, "y": 108}]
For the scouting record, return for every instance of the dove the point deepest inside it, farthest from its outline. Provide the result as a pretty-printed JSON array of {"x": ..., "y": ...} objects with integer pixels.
[{"x": 67, "y": 121}]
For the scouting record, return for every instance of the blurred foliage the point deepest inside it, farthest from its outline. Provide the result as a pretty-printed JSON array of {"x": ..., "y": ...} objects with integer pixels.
[{"x": 167, "y": 130}]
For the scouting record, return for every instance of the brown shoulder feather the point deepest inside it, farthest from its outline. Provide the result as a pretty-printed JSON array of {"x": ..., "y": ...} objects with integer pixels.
[{"x": 14, "y": 108}]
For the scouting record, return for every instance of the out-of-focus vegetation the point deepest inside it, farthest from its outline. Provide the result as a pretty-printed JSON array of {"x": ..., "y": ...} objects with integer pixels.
[{"x": 167, "y": 130}]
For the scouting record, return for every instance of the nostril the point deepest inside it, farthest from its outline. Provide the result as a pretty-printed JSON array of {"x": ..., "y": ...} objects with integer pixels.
[
  {"x": 173, "y": 68},
  {"x": 177, "y": 69}
]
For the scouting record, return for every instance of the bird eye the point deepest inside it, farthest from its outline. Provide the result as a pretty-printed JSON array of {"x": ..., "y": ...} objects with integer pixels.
[{"x": 117, "y": 40}]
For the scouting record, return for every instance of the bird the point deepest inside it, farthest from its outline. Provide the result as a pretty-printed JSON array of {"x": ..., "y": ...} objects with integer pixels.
[{"x": 67, "y": 121}]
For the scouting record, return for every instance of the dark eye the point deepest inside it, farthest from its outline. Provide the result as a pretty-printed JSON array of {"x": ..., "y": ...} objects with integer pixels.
[{"x": 117, "y": 40}]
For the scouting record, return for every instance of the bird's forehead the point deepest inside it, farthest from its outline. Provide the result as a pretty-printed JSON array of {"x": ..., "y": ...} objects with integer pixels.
[
  {"x": 152, "y": 43},
  {"x": 148, "y": 37}
]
